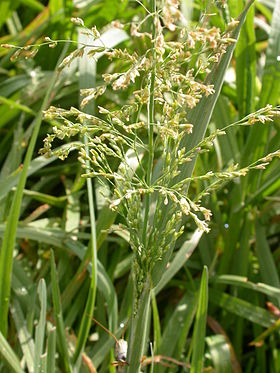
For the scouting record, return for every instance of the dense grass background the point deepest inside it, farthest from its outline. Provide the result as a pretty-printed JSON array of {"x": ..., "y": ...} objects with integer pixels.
[{"x": 58, "y": 218}]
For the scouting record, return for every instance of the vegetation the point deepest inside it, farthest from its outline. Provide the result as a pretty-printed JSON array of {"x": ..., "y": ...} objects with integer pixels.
[{"x": 139, "y": 188}]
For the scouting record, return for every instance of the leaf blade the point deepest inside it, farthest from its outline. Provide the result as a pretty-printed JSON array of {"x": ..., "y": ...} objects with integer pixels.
[{"x": 200, "y": 325}]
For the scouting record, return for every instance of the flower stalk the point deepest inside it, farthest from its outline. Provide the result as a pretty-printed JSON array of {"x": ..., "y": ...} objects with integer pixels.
[{"x": 151, "y": 120}]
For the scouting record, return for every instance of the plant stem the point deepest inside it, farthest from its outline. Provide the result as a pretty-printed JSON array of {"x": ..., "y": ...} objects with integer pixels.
[
  {"x": 85, "y": 76},
  {"x": 150, "y": 108},
  {"x": 139, "y": 324},
  {"x": 86, "y": 320}
]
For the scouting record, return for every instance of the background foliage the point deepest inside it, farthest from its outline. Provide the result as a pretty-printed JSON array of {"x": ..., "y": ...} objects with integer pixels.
[{"x": 54, "y": 220}]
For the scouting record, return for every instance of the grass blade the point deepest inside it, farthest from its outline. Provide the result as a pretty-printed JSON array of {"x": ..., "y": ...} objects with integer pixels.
[
  {"x": 51, "y": 351},
  {"x": 138, "y": 331},
  {"x": 35, "y": 165},
  {"x": 59, "y": 318},
  {"x": 268, "y": 268},
  {"x": 220, "y": 353},
  {"x": 245, "y": 283},
  {"x": 242, "y": 308},
  {"x": 271, "y": 75},
  {"x": 179, "y": 260},
  {"x": 25, "y": 339},
  {"x": 172, "y": 342},
  {"x": 257, "y": 139},
  {"x": 40, "y": 328},
  {"x": 156, "y": 323},
  {"x": 200, "y": 325},
  {"x": 245, "y": 57},
  {"x": 9, "y": 356}
]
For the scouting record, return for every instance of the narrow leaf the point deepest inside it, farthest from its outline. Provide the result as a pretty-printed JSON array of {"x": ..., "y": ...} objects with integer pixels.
[
  {"x": 245, "y": 57},
  {"x": 59, "y": 317},
  {"x": 138, "y": 331},
  {"x": 271, "y": 75},
  {"x": 241, "y": 308},
  {"x": 182, "y": 255},
  {"x": 268, "y": 268},
  {"x": 51, "y": 351},
  {"x": 9, "y": 356},
  {"x": 200, "y": 325},
  {"x": 156, "y": 323},
  {"x": 220, "y": 353},
  {"x": 40, "y": 328},
  {"x": 24, "y": 337}
]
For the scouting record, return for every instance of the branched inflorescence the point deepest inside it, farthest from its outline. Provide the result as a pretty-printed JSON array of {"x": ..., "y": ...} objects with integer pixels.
[{"x": 118, "y": 139}]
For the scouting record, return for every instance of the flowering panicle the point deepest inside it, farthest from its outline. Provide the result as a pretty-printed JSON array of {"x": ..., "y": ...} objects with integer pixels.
[{"x": 163, "y": 84}]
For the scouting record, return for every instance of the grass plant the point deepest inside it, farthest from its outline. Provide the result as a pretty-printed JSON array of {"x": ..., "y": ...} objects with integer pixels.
[{"x": 166, "y": 220}]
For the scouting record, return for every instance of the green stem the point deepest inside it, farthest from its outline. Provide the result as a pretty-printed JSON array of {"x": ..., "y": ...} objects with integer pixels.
[
  {"x": 151, "y": 114},
  {"x": 84, "y": 330},
  {"x": 141, "y": 306},
  {"x": 86, "y": 320}
]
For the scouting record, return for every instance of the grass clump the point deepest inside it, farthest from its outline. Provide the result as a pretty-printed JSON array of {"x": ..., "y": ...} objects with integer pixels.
[{"x": 140, "y": 129}]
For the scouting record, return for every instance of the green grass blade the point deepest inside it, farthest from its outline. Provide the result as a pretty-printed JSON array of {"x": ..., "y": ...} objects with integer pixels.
[
  {"x": 35, "y": 165},
  {"x": 106, "y": 218},
  {"x": 257, "y": 139},
  {"x": 241, "y": 281},
  {"x": 268, "y": 267},
  {"x": 51, "y": 351},
  {"x": 13, "y": 85},
  {"x": 46, "y": 198},
  {"x": 138, "y": 332},
  {"x": 271, "y": 75},
  {"x": 106, "y": 287},
  {"x": 24, "y": 337},
  {"x": 40, "y": 328},
  {"x": 241, "y": 308},
  {"x": 9, "y": 356},
  {"x": 200, "y": 325},
  {"x": 6, "y": 9},
  {"x": 179, "y": 260},
  {"x": 43, "y": 363},
  {"x": 57, "y": 238},
  {"x": 172, "y": 341},
  {"x": 220, "y": 353},
  {"x": 245, "y": 57},
  {"x": 228, "y": 144},
  {"x": 56, "y": 6},
  {"x": 7, "y": 248},
  {"x": 49, "y": 236},
  {"x": 59, "y": 317},
  {"x": 15, "y": 105},
  {"x": 33, "y": 4},
  {"x": 156, "y": 323}
]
